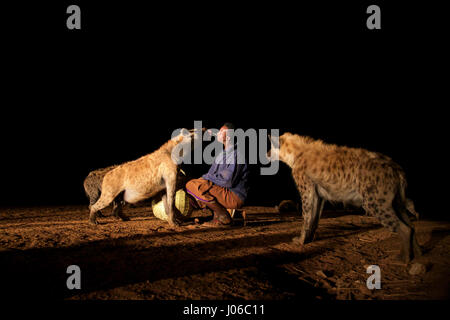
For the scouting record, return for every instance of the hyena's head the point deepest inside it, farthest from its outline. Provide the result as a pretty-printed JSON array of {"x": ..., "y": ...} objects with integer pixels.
[
  {"x": 185, "y": 141},
  {"x": 195, "y": 136},
  {"x": 277, "y": 144},
  {"x": 278, "y": 147},
  {"x": 187, "y": 136},
  {"x": 274, "y": 152}
]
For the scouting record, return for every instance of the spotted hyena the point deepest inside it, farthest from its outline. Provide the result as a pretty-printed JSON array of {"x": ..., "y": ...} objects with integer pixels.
[
  {"x": 353, "y": 176},
  {"x": 93, "y": 188},
  {"x": 146, "y": 177}
]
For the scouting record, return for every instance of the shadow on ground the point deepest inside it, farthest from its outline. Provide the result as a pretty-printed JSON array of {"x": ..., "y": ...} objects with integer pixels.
[{"x": 105, "y": 264}]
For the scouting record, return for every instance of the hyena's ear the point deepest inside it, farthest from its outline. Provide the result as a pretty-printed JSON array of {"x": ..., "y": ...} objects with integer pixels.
[
  {"x": 197, "y": 131},
  {"x": 274, "y": 141},
  {"x": 185, "y": 132}
]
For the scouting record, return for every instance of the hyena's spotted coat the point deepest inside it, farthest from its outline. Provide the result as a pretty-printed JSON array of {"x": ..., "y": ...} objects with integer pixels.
[{"x": 349, "y": 175}]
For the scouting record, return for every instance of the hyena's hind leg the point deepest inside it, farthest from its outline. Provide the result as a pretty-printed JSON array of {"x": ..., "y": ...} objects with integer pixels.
[
  {"x": 409, "y": 204},
  {"x": 390, "y": 219},
  {"x": 93, "y": 192},
  {"x": 404, "y": 213},
  {"x": 99, "y": 213},
  {"x": 107, "y": 196},
  {"x": 118, "y": 204}
]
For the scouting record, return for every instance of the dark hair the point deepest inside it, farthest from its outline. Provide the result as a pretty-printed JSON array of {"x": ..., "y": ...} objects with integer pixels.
[{"x": 229, "y": 125}]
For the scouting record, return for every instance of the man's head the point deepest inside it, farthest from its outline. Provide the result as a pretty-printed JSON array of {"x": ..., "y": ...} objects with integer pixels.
[{"x": 224, "y": 136}]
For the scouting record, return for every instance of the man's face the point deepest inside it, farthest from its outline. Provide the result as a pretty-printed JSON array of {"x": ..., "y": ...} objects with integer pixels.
[{"x": 222, "y": 135}]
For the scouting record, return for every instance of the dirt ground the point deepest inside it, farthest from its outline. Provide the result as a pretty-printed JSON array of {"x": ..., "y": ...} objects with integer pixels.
[{"x": 146, "y": 259}]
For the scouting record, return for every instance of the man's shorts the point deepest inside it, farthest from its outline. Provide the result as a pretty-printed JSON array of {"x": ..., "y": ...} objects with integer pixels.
[{"x": 205, "y": 191}]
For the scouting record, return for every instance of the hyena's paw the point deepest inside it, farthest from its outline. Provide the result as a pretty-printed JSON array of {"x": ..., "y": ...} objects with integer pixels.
[
  {"x": 174, "y": 223},
  {"x": 124, "y": 218},
  {"x": 298, "y": 240},
  {"x": 303, "y": 239},
  {"x": 121, "y": 217},
  {"x": 100, "y": 215},
  {"x": 93, "y": 218}
]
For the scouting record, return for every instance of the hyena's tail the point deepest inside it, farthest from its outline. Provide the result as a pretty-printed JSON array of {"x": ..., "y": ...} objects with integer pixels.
[
  {"x": 91, "y": 190},
  {"x": 86, "y": 187},
  {"x": 407, "y": 203},
  {"x": 411, "y": 209}
]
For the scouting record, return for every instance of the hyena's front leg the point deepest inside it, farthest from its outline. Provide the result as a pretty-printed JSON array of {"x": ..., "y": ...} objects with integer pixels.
[
  {"x": 169, "y": 202},
  {"x": 312, "y": 206},
  {"x": 117, "y": 210}
]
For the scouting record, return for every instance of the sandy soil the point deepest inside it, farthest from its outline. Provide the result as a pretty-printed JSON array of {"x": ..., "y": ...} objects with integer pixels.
[{"x": 146, "y": 259}]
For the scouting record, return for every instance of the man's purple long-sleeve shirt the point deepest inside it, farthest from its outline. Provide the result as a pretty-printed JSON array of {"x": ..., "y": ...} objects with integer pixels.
[{"x": 228, "y": 173}]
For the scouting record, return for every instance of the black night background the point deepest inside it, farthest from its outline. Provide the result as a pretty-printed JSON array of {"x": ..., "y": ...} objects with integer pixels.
[{"x": 74, "y": 101}]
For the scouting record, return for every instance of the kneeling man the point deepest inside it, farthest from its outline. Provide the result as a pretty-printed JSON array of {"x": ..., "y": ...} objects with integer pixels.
[{"x": 225, "y": 185}]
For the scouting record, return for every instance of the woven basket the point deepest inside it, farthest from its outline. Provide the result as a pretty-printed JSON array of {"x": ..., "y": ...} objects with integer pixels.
[{"x": 181, "y": 203}]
